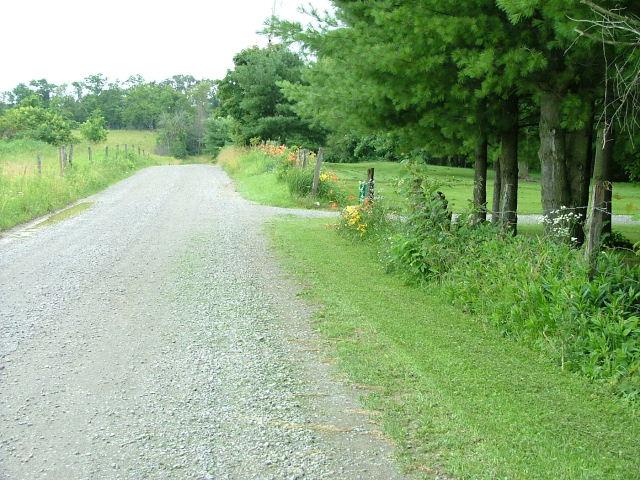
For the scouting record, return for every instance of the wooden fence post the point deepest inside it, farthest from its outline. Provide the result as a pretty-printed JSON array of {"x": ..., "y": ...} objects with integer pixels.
[
  {"x": 71, "y": 154},
  {"x": 372, "y": 184},
  {"x": 65, "y": 159},
  {"x": 138, "y": 150},
  {"x": 316, "y": 172},
  {"x": 117, "y": 150},
  {"x": 90, "y": 153},
  {"x": 596, "y": 216},
  {"x": 126, "y": 149},
  {"x": 305, "y": 159},
  {"x": 61, "y": 158},
  {"x": 39, "y": 164}
]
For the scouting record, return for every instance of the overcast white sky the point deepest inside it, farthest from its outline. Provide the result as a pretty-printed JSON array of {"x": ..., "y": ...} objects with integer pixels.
[{"x": 66, "y": 40}]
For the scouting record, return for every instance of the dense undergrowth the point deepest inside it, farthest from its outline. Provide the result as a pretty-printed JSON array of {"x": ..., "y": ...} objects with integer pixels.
[{"x": 535, "y": 290}]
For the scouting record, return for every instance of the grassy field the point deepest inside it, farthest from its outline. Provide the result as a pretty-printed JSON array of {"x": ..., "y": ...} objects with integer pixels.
[
  {"x": 455, "y": 396},
  {"x": 25, "y": 195},
  {"x": 457, "y": 185}
]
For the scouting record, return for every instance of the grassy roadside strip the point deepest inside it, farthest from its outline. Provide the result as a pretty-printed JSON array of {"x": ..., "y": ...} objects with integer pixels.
[
  {"x": 455, "y": 396},
  {"x": 255, "y": 179}
]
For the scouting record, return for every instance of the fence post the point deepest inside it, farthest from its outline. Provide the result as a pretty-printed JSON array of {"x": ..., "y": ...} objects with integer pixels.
[
  {"x": 598, "y": 207},
  {"x": 61, "y": 158},
  {"x": 138, "y": 150},
  {"x": 71, "y": 154},
  {"x": 305, "y": 159},
  {"x": 106, "y": 151},
  {"x": 316, "y": 173},
  {"x": 126, "y": 149},
  {"x": 117, "y": 150},
  {"x": 90, "y": 153},
  {"x": 39, "y": 164},
  {"x": 372, "y": 184}
]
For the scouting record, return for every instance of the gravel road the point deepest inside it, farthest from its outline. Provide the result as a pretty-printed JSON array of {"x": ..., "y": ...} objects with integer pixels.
[{"x": 153, "y": 336}]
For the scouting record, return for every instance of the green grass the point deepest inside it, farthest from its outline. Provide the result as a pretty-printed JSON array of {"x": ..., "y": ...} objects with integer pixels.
[
  {"x": 25, "y": 195},
  {"x": 457, "y": 185},
  {"x": 15, "y": 155},
  {"x": 256, "y": 182},
  {"x": 65, "y": 214},
  {"x": 454, "y": 395},
  {"x": 261, "y": 186}
]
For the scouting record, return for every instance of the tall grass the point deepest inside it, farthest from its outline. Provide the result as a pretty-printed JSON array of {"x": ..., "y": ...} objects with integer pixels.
[
  {"x": 267, "y": 175},
  {"x": 24, "y": 194}
]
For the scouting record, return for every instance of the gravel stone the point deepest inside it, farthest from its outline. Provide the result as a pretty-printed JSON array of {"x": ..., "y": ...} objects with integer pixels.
[{"x": 154, "y": 336}]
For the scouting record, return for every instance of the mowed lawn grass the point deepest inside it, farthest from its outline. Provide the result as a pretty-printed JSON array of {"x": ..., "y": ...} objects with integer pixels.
[
  {"x": 455, "y": 397},
  {"x": 457, "y": 185}
]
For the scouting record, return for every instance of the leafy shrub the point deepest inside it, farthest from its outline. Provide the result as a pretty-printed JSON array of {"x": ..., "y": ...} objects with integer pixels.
[
  {"x": 300, "y": 182},
  {"x": 217, "y": 134},
  {"x": 617, "y": 240},
  {"x": 352, "y": 148},
  {"x": 176, "y": 134},
  {"x": 364, "y": 221},
  {"x": 35, "y": 123},
  {"x": 535, "y": 290},
  {"x": 95, "y": 128}
]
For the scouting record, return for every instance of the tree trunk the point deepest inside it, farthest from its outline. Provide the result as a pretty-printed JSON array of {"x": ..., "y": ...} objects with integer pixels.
[
  {"x": 555, "y": 187},
  {"x": 509, "y": 167},
  {"x": 497, "y": 193},
  {"x": 480, "y": 181},
  {"x": 598, "y": 204},
  {"x": 578, "y": 167}
]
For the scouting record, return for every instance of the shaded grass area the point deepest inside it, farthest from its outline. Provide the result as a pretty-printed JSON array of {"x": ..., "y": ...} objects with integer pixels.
[
  {"x": 455, "y": 396},
  {"x": 457, "y": 185},
  {"x": 24, "y": 194}
]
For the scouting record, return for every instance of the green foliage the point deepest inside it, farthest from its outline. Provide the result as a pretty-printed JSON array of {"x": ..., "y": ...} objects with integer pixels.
[
  {"x": 300, "y": 181},
  {"x": 544, "y": 298},
  {"x": 36, "y": 123},
  {"x": 176, "y": 134},
  {"x": 133, "y": 103},
  {"x": 351, "y": 148},
  {"x": 251, "y": 95},
  {"x": 365, "y": 221},
  {"x": 217, "y": 134},
  {"x": 146, "y": 102},
  {"x": 94, "y": 129}
]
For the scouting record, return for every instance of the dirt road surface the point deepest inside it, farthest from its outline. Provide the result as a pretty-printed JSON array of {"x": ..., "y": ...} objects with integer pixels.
[{"x": 153, "y": 336}]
